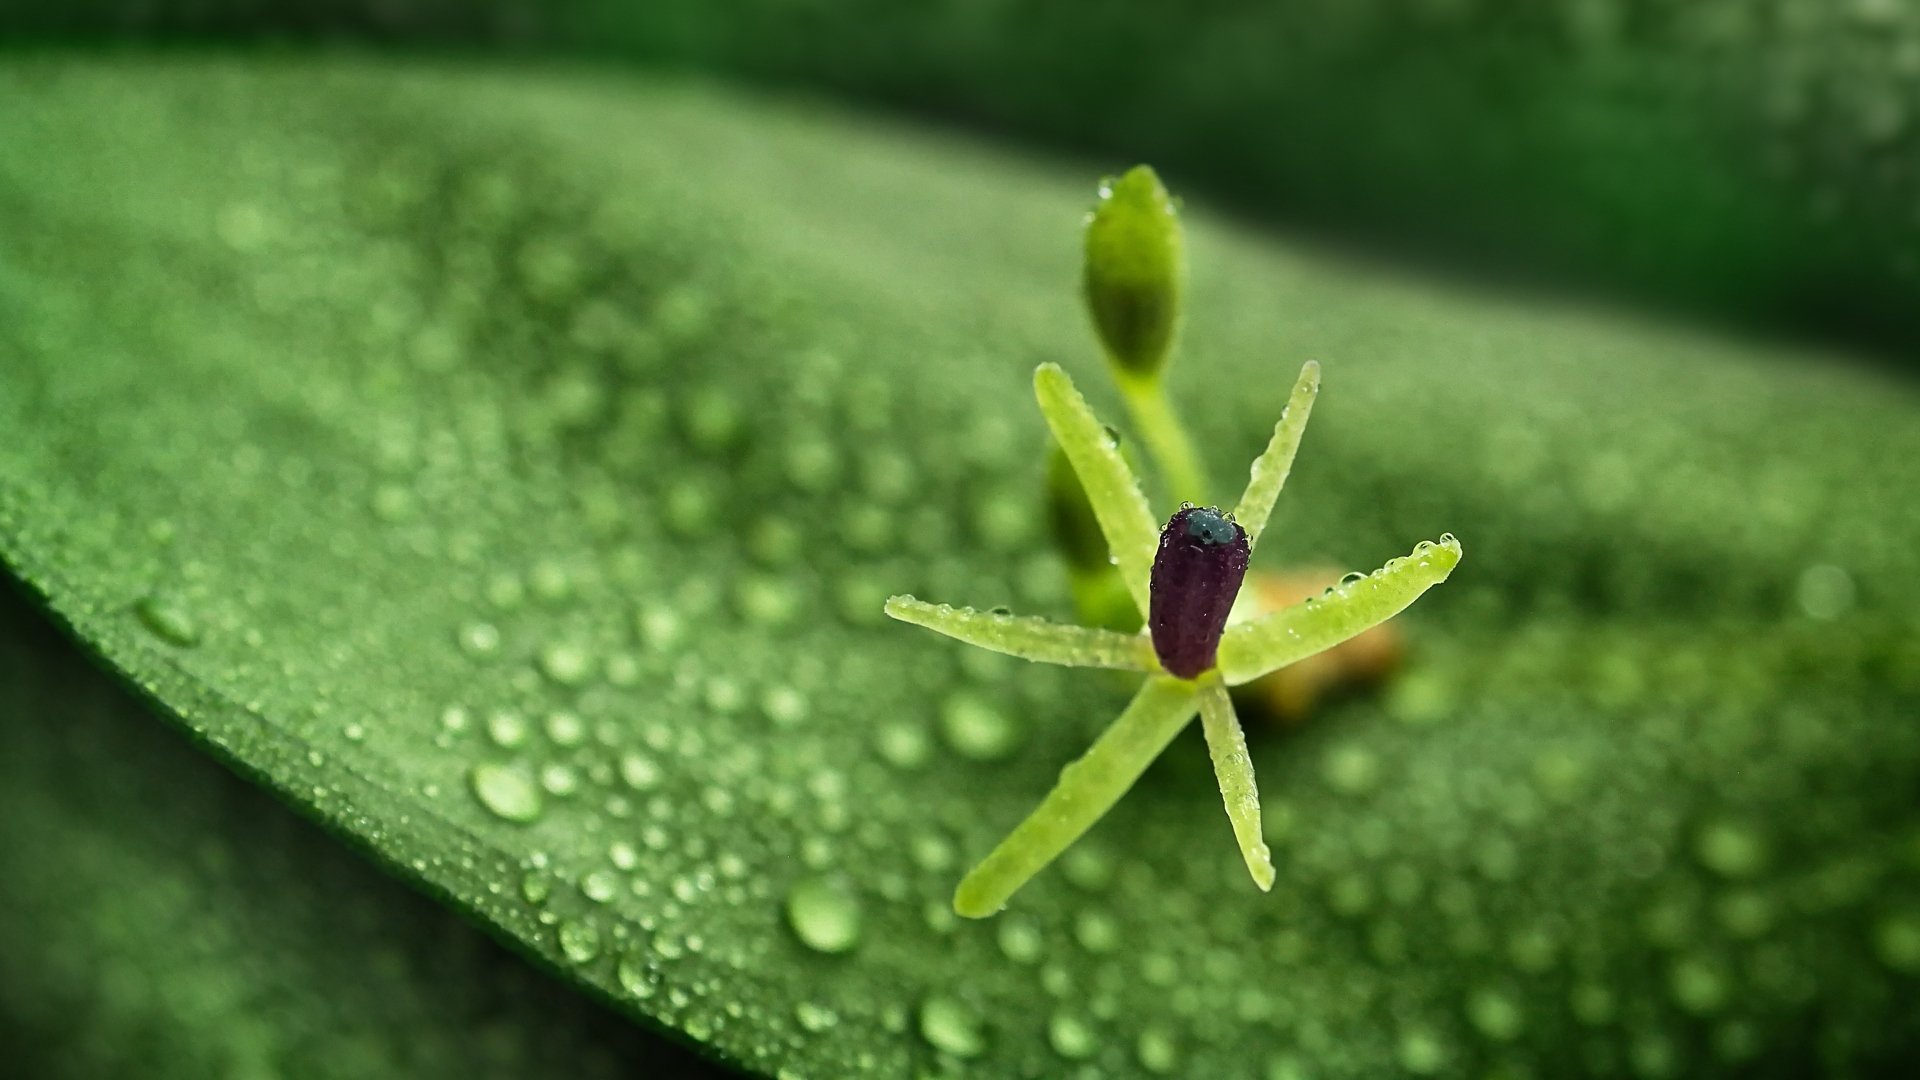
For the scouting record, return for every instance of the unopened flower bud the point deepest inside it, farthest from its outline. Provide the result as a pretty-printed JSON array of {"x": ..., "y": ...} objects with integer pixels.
[{"x": 1133, "y": 271}]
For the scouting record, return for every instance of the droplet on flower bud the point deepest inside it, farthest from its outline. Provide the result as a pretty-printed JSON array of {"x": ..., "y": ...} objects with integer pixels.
[
  {"x": 1196, "y": 575},
  {"x": 1133, "y": 270}
]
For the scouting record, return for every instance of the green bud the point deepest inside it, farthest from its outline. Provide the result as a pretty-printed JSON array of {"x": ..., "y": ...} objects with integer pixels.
[{"x": 1134, "y": 270}]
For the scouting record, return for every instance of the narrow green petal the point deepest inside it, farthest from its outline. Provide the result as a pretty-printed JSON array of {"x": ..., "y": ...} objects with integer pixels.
[
  {"x": 1087, "y": 789},
  {"x": 1131, "y": 531},
  {"x": 1252, "y": 649},
  {"x": 1227, "y": 744},
  {"x": 1029, "y": 637},
  {"x": 1270, "y": 469}
]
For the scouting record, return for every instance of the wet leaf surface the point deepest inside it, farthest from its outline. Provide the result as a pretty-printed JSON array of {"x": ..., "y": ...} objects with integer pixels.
[{"x": 507, "y": 469}]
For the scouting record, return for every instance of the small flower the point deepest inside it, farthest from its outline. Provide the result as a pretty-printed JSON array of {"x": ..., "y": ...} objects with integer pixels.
[{"x": 1183, "y": 577}]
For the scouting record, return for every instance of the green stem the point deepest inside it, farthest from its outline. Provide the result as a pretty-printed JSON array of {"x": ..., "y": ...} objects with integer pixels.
[{"x": 1166, "y": 437}]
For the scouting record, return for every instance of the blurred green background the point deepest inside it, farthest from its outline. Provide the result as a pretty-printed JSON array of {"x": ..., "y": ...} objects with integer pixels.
[{"x": 1754, "y": 161}]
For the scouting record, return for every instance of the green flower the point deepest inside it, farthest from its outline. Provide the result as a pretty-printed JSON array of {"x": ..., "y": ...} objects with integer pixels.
[{"x": 1164, "y": 703}]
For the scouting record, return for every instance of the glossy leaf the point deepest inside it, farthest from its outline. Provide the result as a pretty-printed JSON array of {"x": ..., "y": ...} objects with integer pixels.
[{"x": 508, "y": 469}]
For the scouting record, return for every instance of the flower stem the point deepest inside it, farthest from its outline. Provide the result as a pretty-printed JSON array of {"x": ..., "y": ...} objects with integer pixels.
[{"x": 1166, "y": 437}]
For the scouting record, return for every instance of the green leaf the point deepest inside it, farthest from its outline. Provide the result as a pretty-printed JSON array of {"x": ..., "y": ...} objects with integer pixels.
[
  {"x": 508, "y": 468},
  {"x": 162, "y": 918}
]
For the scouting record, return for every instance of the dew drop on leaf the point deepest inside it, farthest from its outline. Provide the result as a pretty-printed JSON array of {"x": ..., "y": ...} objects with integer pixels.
[
  {"x": 1495, "y": 1013},
  {"x": 579, "y": 941},
  {"x": 1896, "y": 941},
  {"x": 814, "y": 1018},
  {"x": 638, "y": 771},
  {"x": 1157, "y": 1051},
  {"x": 975, "y": 729},
  {"x": 951, "y": 1027},
  {"x": 631, "y": 972},
  {"x": 823, "y": 915},
  {"x": 165, "y": 619},
  {"x": 507, "y": 792},
  {"x": 480, "y": 640},
  {"x": 1020, "y": 940},
  {"x": 1732, "y": 849},
  {"x": 566, "y": 664},
  {"x": 1070, "y": 1036}
]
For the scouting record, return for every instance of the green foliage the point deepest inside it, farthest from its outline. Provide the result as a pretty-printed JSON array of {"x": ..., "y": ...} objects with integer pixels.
[
  {"x": 163, "y": 918},
  {"x": 507, "y": 470}
]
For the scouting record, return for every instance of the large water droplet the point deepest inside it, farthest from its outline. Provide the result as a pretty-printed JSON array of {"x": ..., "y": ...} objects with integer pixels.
[
  {"x": 508, "y": 792},
  {"x": 1070, "y": 1036},
  {"x": 951, "y": 1027},
  {"x": 824, "y": 915}
]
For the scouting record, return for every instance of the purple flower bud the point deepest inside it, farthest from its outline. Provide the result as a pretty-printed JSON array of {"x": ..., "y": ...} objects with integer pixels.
[{"x": 1196, "y": 575}]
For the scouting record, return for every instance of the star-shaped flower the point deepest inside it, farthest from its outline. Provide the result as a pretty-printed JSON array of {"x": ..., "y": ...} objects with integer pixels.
[{"x": 1184, "y": 578}]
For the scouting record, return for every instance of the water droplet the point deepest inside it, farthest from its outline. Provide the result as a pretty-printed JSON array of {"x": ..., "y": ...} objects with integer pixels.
[
  {"x": 1824, "y": 591},
  {"x": 566, "y": 728},
  {"x": 1421, "y": 1052},
  {"x": 1157, "y": 1051},
  {"x": 480, "y": 639},
  {"x": 904, "y": 744},
  {"x": 535, "y": 887},
  {"x": 599, "y": 886},
  {"x": 766, "y": 599},
  {"x": 623, "y": 855},
  {"x": 1699, "y": 985},
  {"x": 506, "y": 729},
  {"x": 975, "y": 729},
  {"x": 165, "y": 619},
  {"x": 1070, "y": 1036},
  {"x": 783, "y": 706},
  {"x": 823, "y": 915},
  {"x": 951, "y": 1027},
  {"x": 1592, "y": 1004},
  {"x": 1896, "y": 941},
  {"x": 566, "y": 664},
  {"x": 659, "y": 627},
  {"x": 1351, "y": 769},
  {"x": 815, "y": 1018},
  {"x": 1495, "y": 1014},
  {"x": 1732, "y": 849},
  {"x": 506, "y": 791},
  {"x": 632, "y": 973},
  {"x": 1020, "y": 940},
  {"x": 1096, "y": 931},
  {"x": 579, "y": 941},
  {"x": 550, "y": 582},
  {"x": 1089, "y": 865},
  {"x": 638, "y": 771},
  {"x": 559, "y": 780}
]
